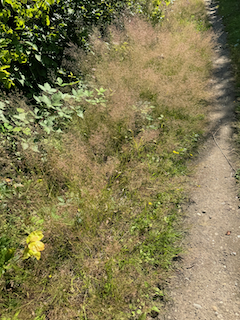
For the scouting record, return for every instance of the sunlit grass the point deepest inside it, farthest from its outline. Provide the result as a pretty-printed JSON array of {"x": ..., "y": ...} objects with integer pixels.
[{"x": 107, "y": 196}]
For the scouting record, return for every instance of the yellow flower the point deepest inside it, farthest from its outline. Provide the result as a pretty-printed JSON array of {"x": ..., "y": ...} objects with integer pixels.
[
  {"x": 150, "y": 203},
  {"x": 175, "y": 152}
]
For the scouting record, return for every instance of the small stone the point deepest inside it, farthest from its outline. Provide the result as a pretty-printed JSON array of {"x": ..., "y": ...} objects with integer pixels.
[
  {"x": 203, "y": 211},
  {"x": 198, "y": 306},
  {"x": 210, "y": 217},
  {"x": 199, "y": 214},
  {"x": 214, "y": 308},
  {"x": 233, "y": 253}
]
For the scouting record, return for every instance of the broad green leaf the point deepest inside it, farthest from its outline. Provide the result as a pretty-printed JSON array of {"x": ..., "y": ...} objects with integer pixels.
[
  {"x": 47, "y": 88},
  {"x": 46, "y": 100}
]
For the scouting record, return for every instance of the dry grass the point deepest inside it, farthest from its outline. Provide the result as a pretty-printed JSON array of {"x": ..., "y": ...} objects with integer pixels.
[{"x": 113, "y": 185}]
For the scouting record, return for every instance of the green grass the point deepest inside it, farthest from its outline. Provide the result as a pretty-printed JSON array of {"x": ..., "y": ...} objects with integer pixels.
[{"x": 107, "y": 191}]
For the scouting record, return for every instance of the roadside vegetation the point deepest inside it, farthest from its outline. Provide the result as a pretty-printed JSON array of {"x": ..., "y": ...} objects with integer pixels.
[
  {"x": 231, "y": 20},
  {"x": 94, "y": 161}
]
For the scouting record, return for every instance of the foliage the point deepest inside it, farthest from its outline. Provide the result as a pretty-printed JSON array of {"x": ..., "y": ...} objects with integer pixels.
[
  {"x": 35, "y": 33},
  {"x": 53, "y": 113},
  {"x": 34, "y": 245},
  {"x": 29, "y": 43},
  {"x": 108, "y": 180},
  {"x": 6, "y": 253},
  {"x": 153, "y": 10}
]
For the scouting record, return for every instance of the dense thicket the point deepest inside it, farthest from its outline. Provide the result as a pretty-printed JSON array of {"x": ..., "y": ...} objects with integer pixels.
[{"x": 35, "y": 33}]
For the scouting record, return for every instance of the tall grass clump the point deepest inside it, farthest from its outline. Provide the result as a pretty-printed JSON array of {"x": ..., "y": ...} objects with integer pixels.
[{"x": 107, "y": 190}]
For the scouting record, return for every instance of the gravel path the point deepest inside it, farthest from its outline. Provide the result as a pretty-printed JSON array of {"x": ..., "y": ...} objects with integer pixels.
[{"x": 207, "y": 283}]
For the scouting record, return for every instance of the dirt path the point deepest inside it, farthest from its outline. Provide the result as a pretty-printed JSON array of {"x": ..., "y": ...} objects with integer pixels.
[{"x": 207, "y": 284}]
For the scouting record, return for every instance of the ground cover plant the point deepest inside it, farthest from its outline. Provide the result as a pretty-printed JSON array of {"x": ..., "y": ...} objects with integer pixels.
[{"x": 92, "y": 173}]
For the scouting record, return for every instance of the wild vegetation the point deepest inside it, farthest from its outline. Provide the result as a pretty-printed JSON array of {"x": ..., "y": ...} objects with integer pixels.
[
  {"x": 231, "y": 20},
  {"x": 98, "y": 165}
]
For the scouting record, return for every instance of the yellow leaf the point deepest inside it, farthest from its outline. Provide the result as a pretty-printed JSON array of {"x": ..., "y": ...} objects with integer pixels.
[
  {"x": 35, "y": 236},
  {"x": 47, "y": 21},
  {"x": 36, "y": 246},
  {"x": 37, "y": 255}
]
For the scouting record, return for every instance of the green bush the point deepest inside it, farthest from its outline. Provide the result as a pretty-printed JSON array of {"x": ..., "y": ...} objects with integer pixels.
[{"x": 35, "y": 33}]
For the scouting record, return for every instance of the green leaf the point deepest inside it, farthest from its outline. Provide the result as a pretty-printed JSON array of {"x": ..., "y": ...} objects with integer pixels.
[
  {"x": 80, "y": 114},
  {"x": 46, "y": 100},
  {"x": 33, "y": 45},
  {"x": 20, "y": 110},
  {"x": 2, "y": 105},
  {"x": 47, "y": 88},
  {"x": 34, "y": 148},
  {"x": 21, "y": 117},
  {"x": 154, "y": 308},
  {"x": 17, "y": 129},
  {"x": 38, "y": 57},
  {"x": 59, "y": 81},
  {"x": 143, "y": 316},
  {"x": 56, "y": 99},
  {"x": 24, "y": 145},
  {"x": 37, "y": 99}
]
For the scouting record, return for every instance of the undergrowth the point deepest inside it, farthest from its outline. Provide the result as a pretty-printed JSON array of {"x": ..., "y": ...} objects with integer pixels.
[
  {"x": 106, "y": 181},
  {"x": 231, "y": 19}
]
